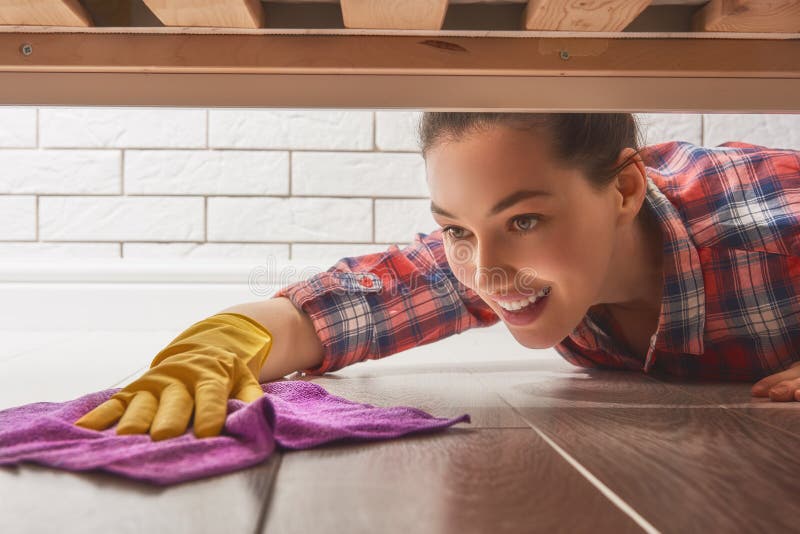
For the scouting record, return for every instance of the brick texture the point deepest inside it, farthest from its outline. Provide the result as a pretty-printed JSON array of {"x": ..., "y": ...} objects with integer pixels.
[{"x": 306, "y": 185}]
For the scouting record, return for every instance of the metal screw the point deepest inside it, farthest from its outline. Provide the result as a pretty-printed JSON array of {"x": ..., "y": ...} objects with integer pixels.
[
  {"x": 26, "y": 49},
  {"x": 564, "y": 55}
]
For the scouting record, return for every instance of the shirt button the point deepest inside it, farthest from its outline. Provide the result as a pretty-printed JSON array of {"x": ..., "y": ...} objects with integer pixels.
[{"x": 366, "y": 282}]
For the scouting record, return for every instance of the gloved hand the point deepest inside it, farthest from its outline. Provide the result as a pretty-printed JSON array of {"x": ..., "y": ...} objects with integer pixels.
[{"x": 216, "y": 358}]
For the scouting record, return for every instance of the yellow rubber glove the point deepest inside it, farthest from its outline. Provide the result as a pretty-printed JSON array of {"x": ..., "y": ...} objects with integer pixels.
[{"x": 212, "y": 360}]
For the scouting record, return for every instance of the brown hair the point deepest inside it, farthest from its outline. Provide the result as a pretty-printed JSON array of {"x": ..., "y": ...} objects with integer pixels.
[{"x": 590, "y": 142}]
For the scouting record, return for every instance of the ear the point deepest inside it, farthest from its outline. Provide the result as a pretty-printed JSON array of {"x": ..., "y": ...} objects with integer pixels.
[{"x": 631, "y": 185}]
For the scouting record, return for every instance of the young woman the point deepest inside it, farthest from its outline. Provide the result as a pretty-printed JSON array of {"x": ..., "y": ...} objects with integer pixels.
[{"x": 668, "y": 259}]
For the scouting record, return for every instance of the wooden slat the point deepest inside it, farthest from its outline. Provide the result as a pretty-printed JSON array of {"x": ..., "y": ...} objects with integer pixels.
[
  {"x": 44, "y": 12},
  {"x": 586, "y": 16},
  {"x": 209, "y": 13},
  {"x": 748, "y": 16},
  {"x": 394, "y": 14}
]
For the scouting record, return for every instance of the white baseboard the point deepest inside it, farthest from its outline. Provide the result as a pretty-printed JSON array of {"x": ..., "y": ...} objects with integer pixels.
[
  {"x": 116, "y": 306},
  {"x": 272, "y": 272},
  {"x": 132, "y": 295},
  {"x": 170, "y": 298}
]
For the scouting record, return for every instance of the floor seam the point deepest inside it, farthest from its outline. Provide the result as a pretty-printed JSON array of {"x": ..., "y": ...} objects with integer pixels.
[
  {"x": 615, "y": 499},
  {"x": 262, "y": 518},
  {"x": 732, "y": 410}
]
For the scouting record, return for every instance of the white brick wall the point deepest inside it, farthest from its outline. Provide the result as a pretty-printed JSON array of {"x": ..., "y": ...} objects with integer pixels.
[{"x": 243, "y": 184}]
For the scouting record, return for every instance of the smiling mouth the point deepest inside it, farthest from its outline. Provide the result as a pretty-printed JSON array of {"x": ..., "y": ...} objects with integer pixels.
[{"x": 521, "y": 304}]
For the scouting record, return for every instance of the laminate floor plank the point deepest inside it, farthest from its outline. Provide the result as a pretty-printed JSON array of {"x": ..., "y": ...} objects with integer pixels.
[
  {"x": 681, "y": 461},
  {"x": 735, "y": 396},
  {"x": 38, "y": 499},
  {"x": 35, "y": 499},
  {"x": 85, "y": 362},
  {"x": 16, "y": 344},
  {"x": 459, "y": 481},
  {"x": 442, "y": 394}
]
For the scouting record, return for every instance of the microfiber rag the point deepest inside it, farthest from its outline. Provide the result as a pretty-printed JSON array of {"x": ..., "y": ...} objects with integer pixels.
[{"x": 292, "y": 414}]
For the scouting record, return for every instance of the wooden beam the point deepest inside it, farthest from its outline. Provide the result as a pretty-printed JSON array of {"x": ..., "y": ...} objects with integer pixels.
[
  {"x": 209, "y": 13},
  {"x": 260, "y": 52},
  {"x": 193, "y": 68},
  {"x": 748, "y": 16},
  {"x": 585, "y": 16},
  {"x": 44, "y": 13},
  {"x": 396, "y": 14},
  {"x": 435, "y": 93}
]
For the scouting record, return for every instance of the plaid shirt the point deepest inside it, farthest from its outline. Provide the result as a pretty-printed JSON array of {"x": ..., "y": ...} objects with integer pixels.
[{"x": 730, "y": 217}]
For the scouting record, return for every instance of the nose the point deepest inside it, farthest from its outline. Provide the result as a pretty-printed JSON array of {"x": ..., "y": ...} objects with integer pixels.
[
  {"x": 491, "y": 271},
  {"x": 486, "y": 254}
]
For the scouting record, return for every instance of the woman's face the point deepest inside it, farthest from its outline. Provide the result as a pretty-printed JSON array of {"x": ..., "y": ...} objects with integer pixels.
[{"x": 563, "y": 239}]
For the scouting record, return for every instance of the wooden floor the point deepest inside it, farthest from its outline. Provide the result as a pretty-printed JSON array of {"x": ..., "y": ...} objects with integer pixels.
[{"x": 551, "y": 447}]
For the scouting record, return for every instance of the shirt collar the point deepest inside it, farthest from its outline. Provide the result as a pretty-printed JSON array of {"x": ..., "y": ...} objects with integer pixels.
[
  {"x": 683, "y": 305},
  {"x": 681, "y": 321}
]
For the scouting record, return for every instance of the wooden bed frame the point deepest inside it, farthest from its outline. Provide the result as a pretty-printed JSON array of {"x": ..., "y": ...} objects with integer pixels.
[{"x": 736, "y": 56}]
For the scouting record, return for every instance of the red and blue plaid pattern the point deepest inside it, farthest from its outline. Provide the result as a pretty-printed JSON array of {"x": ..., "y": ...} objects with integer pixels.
[{"x": 731, "y": 296}]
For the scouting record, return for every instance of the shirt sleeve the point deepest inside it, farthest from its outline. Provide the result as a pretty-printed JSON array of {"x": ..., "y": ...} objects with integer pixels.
[{"x": 371, "y": 306}]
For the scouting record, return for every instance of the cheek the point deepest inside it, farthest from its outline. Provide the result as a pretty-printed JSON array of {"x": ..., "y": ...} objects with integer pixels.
[
  {"x": 460, "y": 260},
  {"x": 582, "y": 256}
]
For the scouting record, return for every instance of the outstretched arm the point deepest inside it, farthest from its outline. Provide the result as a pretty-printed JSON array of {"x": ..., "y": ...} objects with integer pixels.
[
  {"x": 295, "y": 345},
  {"x": 371, "y": 306}
]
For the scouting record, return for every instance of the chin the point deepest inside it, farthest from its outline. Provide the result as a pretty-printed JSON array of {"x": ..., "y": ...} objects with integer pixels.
[{"x": 528, "y": 343}]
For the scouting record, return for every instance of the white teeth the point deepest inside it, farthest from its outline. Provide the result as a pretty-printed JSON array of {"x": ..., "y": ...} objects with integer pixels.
[{"x": 519, "y": 304}]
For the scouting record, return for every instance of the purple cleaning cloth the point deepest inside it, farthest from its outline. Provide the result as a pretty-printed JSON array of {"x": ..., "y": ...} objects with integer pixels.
[{"x": 292, "y": 414}]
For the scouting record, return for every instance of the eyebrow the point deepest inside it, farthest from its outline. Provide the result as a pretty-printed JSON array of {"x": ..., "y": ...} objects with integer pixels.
[{"x": 503, "y": 204}]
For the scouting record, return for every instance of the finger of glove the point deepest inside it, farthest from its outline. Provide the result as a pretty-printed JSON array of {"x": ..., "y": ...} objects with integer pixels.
[
  {"x": 211, "y": 409},
  {"x": 248, "y": 389},
  {"x": 139, "y": 415},
  {"x": 104, "y": 415},
  {"x": 174, "y": 412}
]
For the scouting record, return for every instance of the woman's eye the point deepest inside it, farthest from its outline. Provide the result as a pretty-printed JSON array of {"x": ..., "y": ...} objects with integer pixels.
[
  {"x": 528, "y": 223},
  {"x": 529, "y": 218},
  {"x": 449, "y": 230}
]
